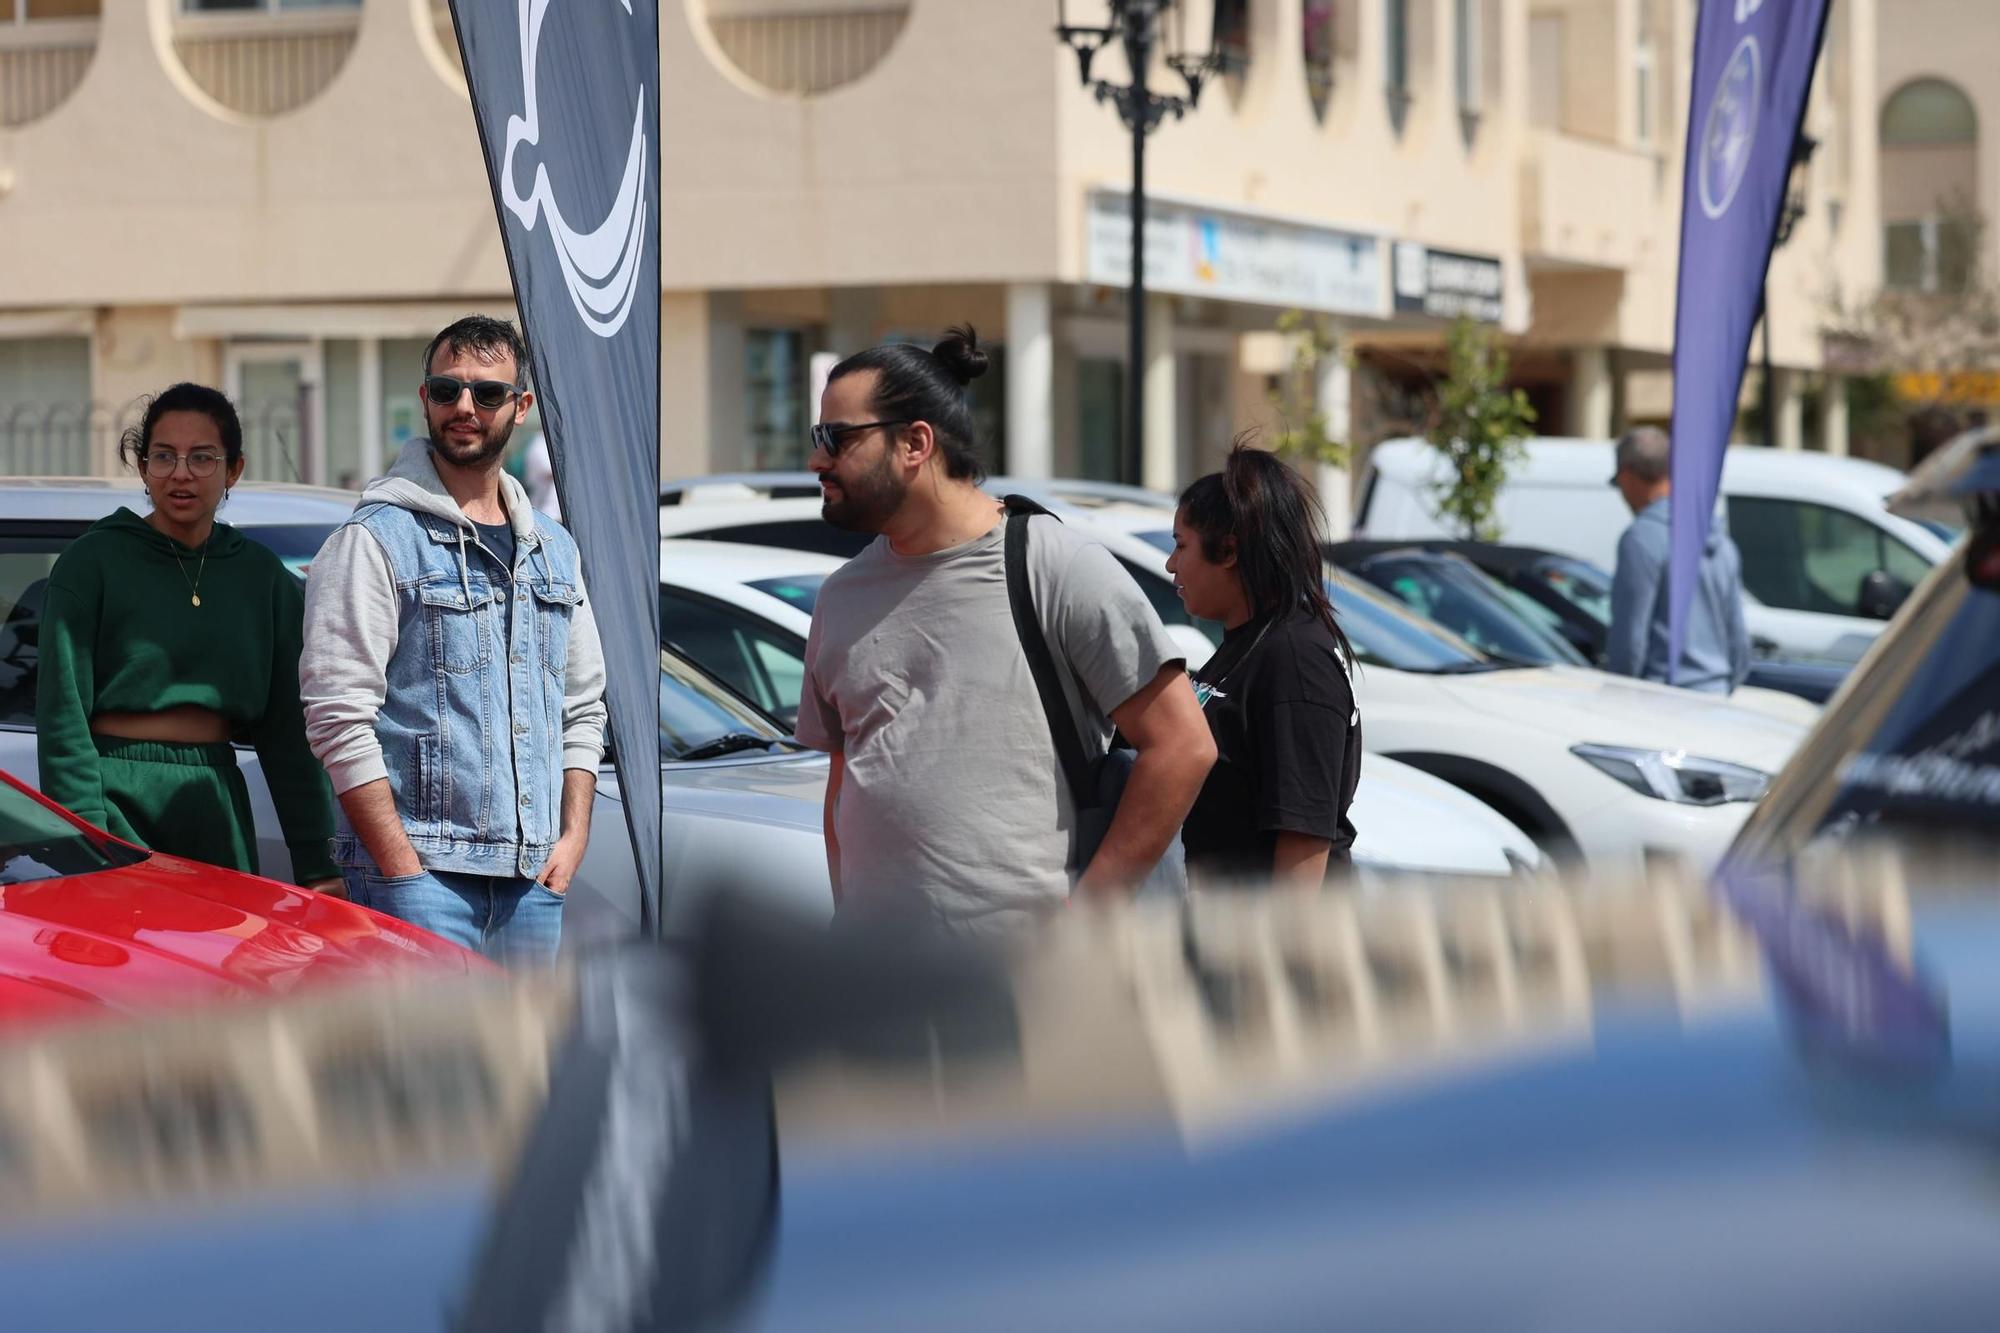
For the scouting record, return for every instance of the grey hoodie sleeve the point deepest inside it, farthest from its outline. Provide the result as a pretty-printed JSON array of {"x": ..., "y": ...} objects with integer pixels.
[
  {"x": 351, "y": 630},
  {"x": 584, "y": 713}
]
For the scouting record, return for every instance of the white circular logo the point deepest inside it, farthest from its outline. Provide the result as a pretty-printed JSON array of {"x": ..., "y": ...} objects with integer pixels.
[
  {"x": 1729, "y": 132},
  {"x": 601, "y": 266}
]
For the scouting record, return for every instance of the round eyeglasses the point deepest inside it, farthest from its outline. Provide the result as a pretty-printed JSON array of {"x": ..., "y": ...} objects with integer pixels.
[{"x": 161, "y": 463}]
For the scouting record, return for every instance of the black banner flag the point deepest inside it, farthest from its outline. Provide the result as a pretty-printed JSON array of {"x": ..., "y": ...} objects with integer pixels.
[{"x": 567, "y": 97}]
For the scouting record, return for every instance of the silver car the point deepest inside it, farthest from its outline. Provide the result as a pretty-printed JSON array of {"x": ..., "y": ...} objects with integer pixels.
[{"x": 741, "y": 801}]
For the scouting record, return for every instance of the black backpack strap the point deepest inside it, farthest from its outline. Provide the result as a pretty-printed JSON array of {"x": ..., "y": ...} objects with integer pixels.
[{"x": 1041, "y": 662}]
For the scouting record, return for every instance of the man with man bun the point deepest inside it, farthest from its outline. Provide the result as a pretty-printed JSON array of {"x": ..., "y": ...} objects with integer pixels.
[{"x": 946, "y": 803}]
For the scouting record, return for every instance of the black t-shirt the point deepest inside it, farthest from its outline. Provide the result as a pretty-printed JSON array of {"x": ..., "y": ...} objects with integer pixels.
[
  {"x": 1288, "y": 742},
  {"x": 499, "y": 539}
]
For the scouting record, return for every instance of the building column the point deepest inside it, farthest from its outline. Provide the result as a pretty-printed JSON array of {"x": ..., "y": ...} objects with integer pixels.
[
  {"x": 370, "y": 392},
  {"x": 701, "y": 383},
  {"x": 1161, "y": 445},
  {"x": 852, "y": 315},
  {"x": 1592, "y": 395},
  {"x": 1031, "y": 365},
  {"x": 1790, "y": 433},
  {"x": 1334, "y": 393},
  {"x": 1833, "y": 426}
]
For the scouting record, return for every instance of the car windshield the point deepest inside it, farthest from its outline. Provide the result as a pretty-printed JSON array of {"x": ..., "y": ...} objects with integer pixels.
[
  {"x": 800, "y": 592},
  {"x": 700, "y": 716},
  {"x": 1386, "y": 634},
  {"x": 1466, "y": 602},
  {"x": 1383, "y": 634},
  {"x": 1583, "y": 586},
  {"x": 294, "y": 543},
  {"x": 36, "y": 843}
]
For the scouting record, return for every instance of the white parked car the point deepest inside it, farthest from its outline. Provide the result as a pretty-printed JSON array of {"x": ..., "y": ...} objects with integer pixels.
[
  {"x": 1824, "y": 561},
  {"x": 743, "y": 613},
  {"x": 1608, "y": 771}
]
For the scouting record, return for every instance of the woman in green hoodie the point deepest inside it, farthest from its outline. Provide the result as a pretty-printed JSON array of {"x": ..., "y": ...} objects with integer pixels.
[{"x": 164, "y": 639}]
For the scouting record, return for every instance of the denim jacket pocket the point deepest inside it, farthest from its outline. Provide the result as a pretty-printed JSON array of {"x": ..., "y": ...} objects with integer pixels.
[
  {"x": 557, "y": 601},
  {"x": 426, "y": 799},
  {"x": 461, "y": 639}
]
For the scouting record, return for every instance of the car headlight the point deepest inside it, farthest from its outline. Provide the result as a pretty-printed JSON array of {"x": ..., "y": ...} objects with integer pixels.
[{"x": 1675, "y": 775}]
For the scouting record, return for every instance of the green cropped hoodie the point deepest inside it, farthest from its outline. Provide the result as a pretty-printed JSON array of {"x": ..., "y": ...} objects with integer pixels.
[{"x": 119, "y": 633}]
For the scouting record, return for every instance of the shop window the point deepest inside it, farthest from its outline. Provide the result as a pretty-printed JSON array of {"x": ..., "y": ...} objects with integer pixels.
[{"x": 774, "y": 399}]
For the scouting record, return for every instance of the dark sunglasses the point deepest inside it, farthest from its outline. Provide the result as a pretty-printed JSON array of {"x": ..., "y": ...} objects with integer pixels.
[
  {"x": 833, "y": 436},
  {"x": 489, "y": 394}
]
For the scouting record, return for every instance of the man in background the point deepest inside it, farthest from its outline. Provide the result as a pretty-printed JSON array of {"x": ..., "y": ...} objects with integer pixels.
[{"x": 1715, "y": 652}]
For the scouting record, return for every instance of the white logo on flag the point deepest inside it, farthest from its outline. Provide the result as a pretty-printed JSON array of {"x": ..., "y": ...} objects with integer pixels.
[
  {"x": 1729, "y": 133},
  {"x": 600, "y": 267}
]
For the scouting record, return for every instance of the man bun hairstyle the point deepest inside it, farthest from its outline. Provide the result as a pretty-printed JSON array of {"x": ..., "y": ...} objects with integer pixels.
[
  {"x": 915, "y": 385},
  {"x": 183, "y": 397},
  {"x": 1261, "y": 510}
]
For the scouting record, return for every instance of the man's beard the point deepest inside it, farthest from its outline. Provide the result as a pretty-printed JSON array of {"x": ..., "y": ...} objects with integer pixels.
[
  {"x": 869, "y": 502},
  {"x": 491, "y": 444}
]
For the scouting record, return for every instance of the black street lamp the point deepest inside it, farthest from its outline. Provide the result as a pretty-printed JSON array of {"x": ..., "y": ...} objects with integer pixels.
[
  {"x": 1135, "y": 24},
  {"x": 1790, "y": 213}
]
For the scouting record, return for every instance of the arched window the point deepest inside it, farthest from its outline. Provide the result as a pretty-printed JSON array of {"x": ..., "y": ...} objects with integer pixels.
[
  {"x": 1928, "y": 111},
  {"x": 1930, "y": 180}
]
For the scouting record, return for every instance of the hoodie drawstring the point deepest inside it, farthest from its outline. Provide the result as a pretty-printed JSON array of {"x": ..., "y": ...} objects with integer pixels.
[{"x": 464, "y": 573}]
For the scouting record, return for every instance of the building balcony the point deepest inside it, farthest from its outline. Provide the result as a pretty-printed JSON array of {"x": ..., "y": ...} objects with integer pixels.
[
  {"x": 800, "y": 48},
  {"x": 263, "y": 65},
  {"x": 41, "y": 64},
  {"x": 1586, "y": 204}
]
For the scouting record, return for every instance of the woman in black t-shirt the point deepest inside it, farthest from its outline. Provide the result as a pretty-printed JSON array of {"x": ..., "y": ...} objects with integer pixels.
[{"x": 1276, "y": 693}]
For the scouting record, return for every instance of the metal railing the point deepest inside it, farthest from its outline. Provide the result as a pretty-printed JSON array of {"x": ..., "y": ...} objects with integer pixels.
[
  {"x": 56, "y": 439},
  {"x": 807, "y": 53},
  {"x": 40, "y": 66},
  {"x": 268, "y": 64}
]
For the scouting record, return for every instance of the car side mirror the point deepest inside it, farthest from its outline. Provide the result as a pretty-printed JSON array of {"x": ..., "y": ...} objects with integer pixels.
[{"x": 1882, "y": 595}]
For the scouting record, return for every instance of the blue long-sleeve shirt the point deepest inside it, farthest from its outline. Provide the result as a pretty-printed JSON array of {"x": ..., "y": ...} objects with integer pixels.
[{"x": 1715, "y": 656}]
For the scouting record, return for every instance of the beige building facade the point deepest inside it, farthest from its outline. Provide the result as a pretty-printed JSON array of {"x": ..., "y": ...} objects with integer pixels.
[
  {"x": 287, "y": 198},
  {"x": 1941, "y": 172}
]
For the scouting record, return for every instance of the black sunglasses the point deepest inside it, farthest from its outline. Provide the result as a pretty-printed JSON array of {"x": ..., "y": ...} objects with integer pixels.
[
  {"x": 833, "y": 436},
  {"x": 489, "y": 394}
]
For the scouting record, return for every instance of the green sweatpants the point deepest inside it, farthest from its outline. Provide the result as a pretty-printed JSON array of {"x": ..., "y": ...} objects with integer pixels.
[{"x": 184, "y": 800}]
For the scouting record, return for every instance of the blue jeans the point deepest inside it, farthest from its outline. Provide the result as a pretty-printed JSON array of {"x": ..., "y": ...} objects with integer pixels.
[{"x": 515, "y": 922}]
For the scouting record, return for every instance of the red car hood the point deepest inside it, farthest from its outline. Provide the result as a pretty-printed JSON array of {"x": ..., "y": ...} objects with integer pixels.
[{"x": 169, "y": 931}]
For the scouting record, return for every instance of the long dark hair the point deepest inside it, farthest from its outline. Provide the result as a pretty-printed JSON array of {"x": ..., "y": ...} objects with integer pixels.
[
  {"x": 1262, "y": 510},
  {"x": 915, "y": 385}
]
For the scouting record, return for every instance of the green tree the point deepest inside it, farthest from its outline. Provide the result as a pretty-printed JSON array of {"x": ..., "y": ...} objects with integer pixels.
[
  {"x": 1306, "y": 435},
  {"x": 1479, "y": 428}
]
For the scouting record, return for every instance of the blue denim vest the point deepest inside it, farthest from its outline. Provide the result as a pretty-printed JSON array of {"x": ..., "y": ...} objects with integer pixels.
[{"x": 472, "y": 715}]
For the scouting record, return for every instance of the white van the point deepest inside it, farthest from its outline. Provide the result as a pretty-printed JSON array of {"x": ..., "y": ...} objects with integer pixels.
[{"x": 1813, "y": 529}]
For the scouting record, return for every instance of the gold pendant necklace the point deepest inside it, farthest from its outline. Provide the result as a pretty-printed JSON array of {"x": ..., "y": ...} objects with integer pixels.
[{"x": 194, "y": 584}]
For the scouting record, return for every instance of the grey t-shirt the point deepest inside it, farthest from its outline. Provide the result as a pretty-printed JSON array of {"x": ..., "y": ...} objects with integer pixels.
[{"x": 953, "y": 801}]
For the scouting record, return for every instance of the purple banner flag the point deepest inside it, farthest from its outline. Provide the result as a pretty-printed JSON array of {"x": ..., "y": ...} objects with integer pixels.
[
  {"x": 1753, "y": 65},
  {"x": 567, "y": 99}
]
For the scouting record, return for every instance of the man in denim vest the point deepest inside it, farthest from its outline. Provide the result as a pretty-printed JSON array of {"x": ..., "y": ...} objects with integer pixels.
[{"x": 453, "y": 682}]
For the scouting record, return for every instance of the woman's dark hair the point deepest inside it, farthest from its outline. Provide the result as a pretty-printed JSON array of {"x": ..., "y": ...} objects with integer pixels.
[
  {"x": 915, "y": 385},
  {"x": 211, "y": 403},
  {"x": 1262, "y": 511}
]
